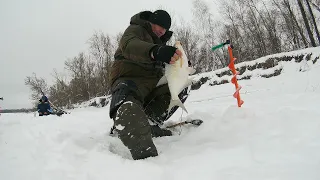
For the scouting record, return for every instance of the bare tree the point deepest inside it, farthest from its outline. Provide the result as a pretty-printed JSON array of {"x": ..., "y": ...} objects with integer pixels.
[
  {"x": 59, "y": 92},
  {"x": 303, "y": 13},
  {"x": 258, "y": 28},
  {"x": 206, "y": 30},
  {"x": 315, "y": 5},
  {"x": 189, "y": 40},
  {"x": 118, "y": 38},
  {"x": 290, "y": 28},
  {"x": 269, "y": 19},
  {"x": 313, "y": 21},
  {"x": 37, "y": 85},
  {"x": 82, "y": 86},
  {"x": 102, "y": 49}
]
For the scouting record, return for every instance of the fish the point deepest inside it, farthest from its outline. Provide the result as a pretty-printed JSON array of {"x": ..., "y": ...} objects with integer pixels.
[{"x": 177, "y": 77}]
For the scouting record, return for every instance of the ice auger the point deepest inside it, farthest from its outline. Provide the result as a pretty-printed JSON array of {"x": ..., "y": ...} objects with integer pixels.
[{"x": 233, "y": 70}]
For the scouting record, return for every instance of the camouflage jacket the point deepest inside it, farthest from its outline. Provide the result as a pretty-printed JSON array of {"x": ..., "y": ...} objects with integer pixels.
[{"x": 132, "y": 58}]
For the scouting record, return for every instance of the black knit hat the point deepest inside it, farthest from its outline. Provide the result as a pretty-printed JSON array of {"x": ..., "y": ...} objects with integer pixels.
[{"x": 161, "y": 18}]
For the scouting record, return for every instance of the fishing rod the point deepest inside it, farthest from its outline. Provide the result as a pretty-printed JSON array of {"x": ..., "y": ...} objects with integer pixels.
[
  {"x": 226, "y": 96},
  {"x": 196, "y": 122}
]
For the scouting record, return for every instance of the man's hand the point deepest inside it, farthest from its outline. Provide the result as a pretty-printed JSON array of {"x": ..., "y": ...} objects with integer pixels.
[
  {"x": 167, "y": 54},
  {"x": 176, "y": 56}
]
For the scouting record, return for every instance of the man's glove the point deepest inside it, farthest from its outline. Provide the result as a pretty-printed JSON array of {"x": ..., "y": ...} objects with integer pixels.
[{"x": 163, "y": 53}]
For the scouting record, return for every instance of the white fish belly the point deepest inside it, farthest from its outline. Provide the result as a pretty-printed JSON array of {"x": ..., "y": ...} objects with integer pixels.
[{"x": 177, "y": 80}]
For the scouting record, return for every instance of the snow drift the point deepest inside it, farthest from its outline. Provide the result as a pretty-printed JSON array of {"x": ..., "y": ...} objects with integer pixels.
[{"x": 274, "y": 135}]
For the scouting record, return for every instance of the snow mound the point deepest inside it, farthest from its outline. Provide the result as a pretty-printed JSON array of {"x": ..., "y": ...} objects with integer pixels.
[{"x": 274, "y": 135}]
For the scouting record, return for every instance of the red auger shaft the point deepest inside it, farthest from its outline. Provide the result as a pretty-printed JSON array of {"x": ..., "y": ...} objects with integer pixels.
[{"x": 234, "y": 78}]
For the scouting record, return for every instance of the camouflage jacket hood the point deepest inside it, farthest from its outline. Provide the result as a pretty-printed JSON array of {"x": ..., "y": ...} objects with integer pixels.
[
  {"x": 142, "y": 20},
  {"x": 132, "y": 58}
]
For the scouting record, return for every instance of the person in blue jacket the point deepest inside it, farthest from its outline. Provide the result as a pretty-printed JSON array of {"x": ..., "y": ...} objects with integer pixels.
[{"x": 44, "y": 107}]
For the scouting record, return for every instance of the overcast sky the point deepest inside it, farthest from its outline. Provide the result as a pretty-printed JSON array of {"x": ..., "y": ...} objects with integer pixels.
[{"x": 39, "y": 35}]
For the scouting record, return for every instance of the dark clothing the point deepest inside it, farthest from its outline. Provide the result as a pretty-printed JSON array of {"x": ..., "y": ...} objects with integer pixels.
[
  {"x": 154, "y": 103},
  {"x": 131, "y": 115},
  {"x": 161, "y": 18},
  {"x": 135, "y": 98},
  {"x": 44, "y": 108},
  {"x": 133, "y": 64},
  {"x": 134, "y": 129},
  {"x": 44, "y": 98},
  {"x": 132, "y": 58}
]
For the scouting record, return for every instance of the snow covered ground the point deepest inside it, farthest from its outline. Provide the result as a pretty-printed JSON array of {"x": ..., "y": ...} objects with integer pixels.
[{"x": 275, "y": 135}]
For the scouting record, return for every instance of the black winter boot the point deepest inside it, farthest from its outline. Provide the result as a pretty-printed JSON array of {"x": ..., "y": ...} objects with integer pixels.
[
  {"x": 134, "y": 130},
  {"x": 156, "y": 131}
]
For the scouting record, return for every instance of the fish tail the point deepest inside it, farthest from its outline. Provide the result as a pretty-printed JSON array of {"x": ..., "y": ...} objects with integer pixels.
[{"x": 177, "y": 102}]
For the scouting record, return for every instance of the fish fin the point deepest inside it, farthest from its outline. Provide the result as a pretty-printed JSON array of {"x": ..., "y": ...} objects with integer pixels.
[
  {"x": 162, "y": 81},
  {"x": 177, "y": 103},
  {"x": 191, "y": 70},
  {"x": 189, "y": 82},
  {"x": 192, "y": 80}
]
